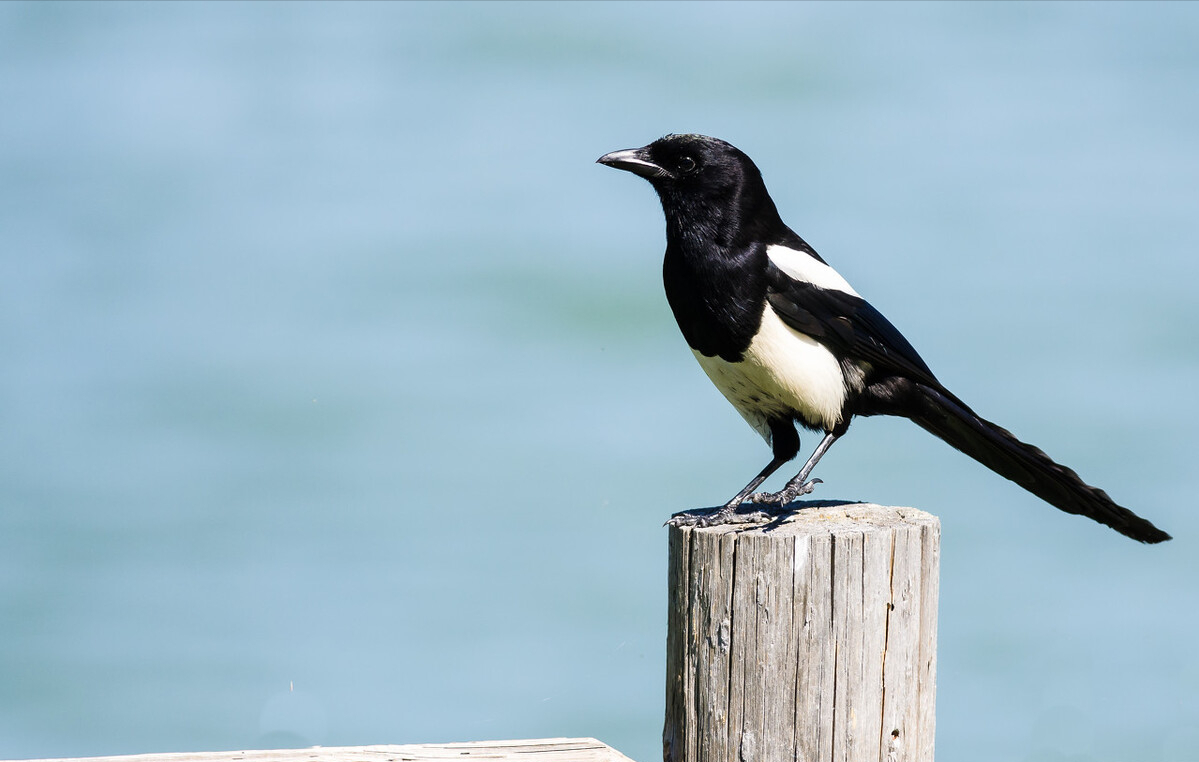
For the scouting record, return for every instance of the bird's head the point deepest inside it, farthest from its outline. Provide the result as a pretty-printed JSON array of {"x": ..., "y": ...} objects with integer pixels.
[
  {"x": 686, "y": 163},
  {"x": 701, "y": 181}
]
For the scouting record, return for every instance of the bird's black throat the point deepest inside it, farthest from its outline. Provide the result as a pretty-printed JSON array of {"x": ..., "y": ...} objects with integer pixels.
[{"x": 713, "y": 273}]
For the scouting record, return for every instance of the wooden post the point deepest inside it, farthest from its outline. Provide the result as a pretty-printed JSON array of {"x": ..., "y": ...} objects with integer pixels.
[{"x": 811, "y": 641}]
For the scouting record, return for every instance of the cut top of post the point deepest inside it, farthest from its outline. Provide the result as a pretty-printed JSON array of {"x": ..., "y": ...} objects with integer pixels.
[{"x": 831, "y": 517}]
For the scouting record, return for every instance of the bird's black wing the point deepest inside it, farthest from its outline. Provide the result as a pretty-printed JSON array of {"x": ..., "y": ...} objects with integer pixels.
[
  {"x": 854, "y": 330},
  {"x": 847, "y": 324}
]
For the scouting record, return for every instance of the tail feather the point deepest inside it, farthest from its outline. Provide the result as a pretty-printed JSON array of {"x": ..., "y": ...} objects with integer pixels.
[{"x": 952, "y": 420}]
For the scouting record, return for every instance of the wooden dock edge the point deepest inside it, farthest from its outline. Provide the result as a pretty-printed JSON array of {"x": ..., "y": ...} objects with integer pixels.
[{"x": 535, "y": 750}]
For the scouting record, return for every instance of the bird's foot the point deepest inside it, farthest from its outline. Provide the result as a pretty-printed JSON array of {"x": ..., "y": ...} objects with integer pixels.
[
  {"x": 784, "y": 496},
  {"x": 730, "y": 513},
  {"x": 759, "y": 507}
]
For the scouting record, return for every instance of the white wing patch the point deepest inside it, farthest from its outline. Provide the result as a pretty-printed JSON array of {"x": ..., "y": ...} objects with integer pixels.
[
  {"x": 804, "y": 267},
  {"x": 782, "y": 373}
]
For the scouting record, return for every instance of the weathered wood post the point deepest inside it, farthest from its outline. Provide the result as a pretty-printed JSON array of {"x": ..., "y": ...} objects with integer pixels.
[{"x": 809, "y": 642}]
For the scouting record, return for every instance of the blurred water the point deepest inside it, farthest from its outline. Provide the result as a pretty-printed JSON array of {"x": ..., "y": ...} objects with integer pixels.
[{"x": 340, "y": 403}]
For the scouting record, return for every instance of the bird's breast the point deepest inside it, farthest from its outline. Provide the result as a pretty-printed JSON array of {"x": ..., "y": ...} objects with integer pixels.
[
  {"x": 717, "y": 296},
  {"x": 783, "y": 373}
]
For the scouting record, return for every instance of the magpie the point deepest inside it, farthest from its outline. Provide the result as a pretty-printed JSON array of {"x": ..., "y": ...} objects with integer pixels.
[{"x": 789, "y": 342}]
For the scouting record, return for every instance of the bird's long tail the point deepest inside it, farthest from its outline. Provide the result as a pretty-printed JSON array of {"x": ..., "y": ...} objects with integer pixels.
[{"x": 952, "y": 420}]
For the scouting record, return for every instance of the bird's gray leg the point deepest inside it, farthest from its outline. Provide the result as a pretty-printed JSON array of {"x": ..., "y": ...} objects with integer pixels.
[
  {"x": 726, "y": 512},
  {"x": 800, "y": 484}
]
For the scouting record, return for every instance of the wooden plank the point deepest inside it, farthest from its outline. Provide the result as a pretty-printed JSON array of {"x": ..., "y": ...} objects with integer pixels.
[
  {"x": 539, "y": 750},
  {"x": 813, "y": 639}
]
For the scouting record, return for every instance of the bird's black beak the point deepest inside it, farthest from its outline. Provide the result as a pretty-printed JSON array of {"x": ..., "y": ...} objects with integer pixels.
[{"x": 637, "y": 161}]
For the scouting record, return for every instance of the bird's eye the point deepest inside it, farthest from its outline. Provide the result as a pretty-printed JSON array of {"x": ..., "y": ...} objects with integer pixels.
[{"x": 686, "y": 164}]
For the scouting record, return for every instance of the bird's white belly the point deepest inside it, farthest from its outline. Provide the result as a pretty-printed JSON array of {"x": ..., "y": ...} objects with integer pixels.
[{"x": 783, "y": 372}]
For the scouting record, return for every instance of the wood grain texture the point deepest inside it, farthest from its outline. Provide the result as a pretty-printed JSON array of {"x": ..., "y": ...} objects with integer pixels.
[
  {"x": 811, "y": 640},
  {"x": 540, "y": 750}
]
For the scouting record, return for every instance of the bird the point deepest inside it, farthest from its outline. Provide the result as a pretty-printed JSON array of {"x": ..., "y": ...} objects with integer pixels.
[{"x": 790, "y": 343}]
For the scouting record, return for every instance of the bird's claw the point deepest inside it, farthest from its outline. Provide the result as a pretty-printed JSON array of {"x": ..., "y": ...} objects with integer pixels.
[
  {"x": 770, "y": 506},
  {"x": 785, "y": 495},
  {"x": 725, "y": 515}
]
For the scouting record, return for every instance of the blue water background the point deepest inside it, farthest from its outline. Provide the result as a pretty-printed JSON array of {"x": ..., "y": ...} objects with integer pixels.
[{"x": 340, "y": 402}]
